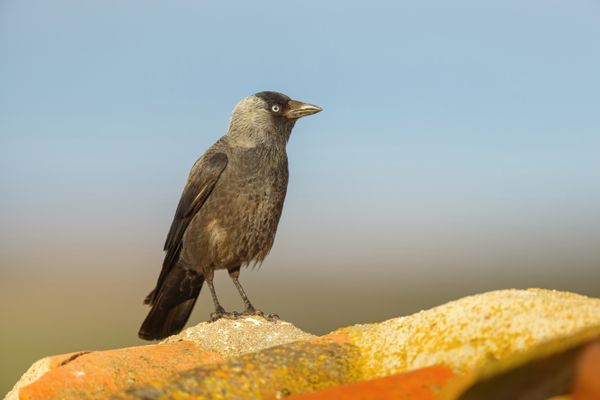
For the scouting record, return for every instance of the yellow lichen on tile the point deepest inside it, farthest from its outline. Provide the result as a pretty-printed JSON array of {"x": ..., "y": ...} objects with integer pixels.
[{"x": 472, "y": 331}]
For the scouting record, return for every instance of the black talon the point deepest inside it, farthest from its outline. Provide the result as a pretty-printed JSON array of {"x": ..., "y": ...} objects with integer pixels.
[
  {"x": 259, "y": 313},
  {"x": 224, "y": 314},
  {"x": 253, "y": 311}
]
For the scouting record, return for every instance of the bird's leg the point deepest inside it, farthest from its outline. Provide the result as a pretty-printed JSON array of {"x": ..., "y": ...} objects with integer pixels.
[
  {"x": 219, "y": 310},
  {"x": 234, "y": 273}
]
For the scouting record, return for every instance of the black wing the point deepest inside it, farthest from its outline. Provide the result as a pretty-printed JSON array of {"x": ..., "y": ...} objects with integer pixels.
[{"x": 202, "y": 180}]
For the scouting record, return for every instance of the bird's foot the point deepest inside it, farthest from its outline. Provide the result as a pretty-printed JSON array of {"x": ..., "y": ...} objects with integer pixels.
[
  {"x": 221, "y": 313},
  {"x": 253, "y": 311},
  {"x": 272, "y": 317}
]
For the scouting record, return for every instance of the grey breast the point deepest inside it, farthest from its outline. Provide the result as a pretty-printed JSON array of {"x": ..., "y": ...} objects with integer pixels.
[{"x": 238, "y": 223}]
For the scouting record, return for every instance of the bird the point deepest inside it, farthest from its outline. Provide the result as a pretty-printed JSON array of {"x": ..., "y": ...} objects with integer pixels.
[{"x": 228, "y": 213}]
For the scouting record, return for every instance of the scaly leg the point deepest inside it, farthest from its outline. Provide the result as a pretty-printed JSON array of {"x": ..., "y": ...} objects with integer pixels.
[
  {"x": 234, "y": 273},
  {"x": 219, "y": 310}
]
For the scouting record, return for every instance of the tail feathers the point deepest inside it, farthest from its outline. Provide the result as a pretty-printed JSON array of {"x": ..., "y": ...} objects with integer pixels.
[
  {"x": 161, "y": 323},
  {"x": 171, "y": 309}
]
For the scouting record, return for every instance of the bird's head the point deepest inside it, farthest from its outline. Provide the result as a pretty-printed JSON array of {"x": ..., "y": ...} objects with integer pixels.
[{"x": 267, "y": 116}]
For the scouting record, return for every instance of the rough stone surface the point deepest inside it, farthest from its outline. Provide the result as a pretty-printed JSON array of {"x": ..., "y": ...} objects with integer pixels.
[
  {"x": 469, "y": 332},
  {"x": 241, "y": 336}
]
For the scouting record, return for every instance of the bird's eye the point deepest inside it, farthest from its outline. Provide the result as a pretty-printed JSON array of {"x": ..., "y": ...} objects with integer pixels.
[{"x": 275, "y": 108}]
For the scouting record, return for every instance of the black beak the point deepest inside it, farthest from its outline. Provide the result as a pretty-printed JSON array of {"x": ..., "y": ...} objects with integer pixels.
[{"x": 297, "y": 109}]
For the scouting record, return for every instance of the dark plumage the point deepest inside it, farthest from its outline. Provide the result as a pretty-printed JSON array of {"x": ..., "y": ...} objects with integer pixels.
[{"x": 229, "y": 210}]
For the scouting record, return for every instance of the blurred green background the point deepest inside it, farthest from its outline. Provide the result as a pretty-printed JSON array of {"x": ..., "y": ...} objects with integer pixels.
[{"x": 458, "y": 152}]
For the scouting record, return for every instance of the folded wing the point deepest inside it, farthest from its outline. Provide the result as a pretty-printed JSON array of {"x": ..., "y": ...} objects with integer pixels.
[{"x": 202, "y": 180}]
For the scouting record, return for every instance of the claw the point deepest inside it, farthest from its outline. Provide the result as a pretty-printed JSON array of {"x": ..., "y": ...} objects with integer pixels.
[
  {"x": 251, "y": 311},
  {"x": 223, "y": 314},
  {"x": 259, "y": 313}
]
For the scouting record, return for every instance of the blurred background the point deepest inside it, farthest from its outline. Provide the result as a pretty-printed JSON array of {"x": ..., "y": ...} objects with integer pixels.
[{"x": 458, "y": 152}]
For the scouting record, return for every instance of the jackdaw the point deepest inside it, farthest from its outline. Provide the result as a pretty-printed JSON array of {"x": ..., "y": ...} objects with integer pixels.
[{"x": 228, "y": 212}]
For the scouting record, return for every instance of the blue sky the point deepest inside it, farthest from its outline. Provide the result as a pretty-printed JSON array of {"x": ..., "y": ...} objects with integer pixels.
[{"x": 438, "y": 116}]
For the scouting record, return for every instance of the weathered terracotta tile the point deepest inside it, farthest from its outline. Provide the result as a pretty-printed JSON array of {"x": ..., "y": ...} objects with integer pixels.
[
  {"x": 501, "y": 329},
  {"x": 587, "y": 379},
  {"x": 97, "y": 374},
  {"x": 276, "y": 372},
  {"x": 422, "y": 384}
]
